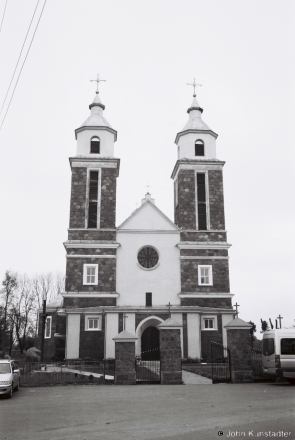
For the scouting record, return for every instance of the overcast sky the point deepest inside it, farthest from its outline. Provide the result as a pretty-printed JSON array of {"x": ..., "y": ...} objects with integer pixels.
[{"x": 242, "y": 52}]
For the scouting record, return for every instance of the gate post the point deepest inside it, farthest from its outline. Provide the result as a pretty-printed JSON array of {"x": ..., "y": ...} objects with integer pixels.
[
  {"x": 170, "y": 352},
  {"x": 125, "y": 358},
  {"x": 239, "y": 343}
]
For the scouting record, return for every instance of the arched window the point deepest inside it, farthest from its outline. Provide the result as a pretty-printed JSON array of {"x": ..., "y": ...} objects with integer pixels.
[
  {"x": 199, "y": 148},
  {"x": 95, "y": 145}
]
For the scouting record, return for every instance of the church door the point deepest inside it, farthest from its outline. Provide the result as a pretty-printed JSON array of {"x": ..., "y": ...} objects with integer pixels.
[{"x": 150, "y": 344}]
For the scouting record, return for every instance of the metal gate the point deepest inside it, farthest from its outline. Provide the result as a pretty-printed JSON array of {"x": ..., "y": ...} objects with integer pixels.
[
  {"x": 147, "y": 371},
  {"x": 256, "y": 358},
  {"x": 220, "y": 356}
]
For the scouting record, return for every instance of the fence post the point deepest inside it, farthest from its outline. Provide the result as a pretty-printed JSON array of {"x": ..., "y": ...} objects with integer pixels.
[
  {"x": 125, "y": 358},
  {"x": 170, "y": 352},
  {"x": 239, "y": 343}
]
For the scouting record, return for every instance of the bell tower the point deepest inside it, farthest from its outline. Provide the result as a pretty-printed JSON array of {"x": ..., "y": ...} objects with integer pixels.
[
  {"x": 199, "y": 213},
  {"x": 91, "y": 245}
]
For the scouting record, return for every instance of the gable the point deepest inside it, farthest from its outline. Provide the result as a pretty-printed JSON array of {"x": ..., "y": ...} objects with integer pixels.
[{"x": 148, "y": 217}]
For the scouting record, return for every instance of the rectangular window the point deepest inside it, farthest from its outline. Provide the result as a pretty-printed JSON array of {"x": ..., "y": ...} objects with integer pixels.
[
  {"x": 205, "y": 275},
  {"x": 92, "y": 323},
  {"x": 90, "y": 274},
  {"x": 201, "y": 194},
  {"x": 209, "y": 323},
  {"x": 288, "y": 346},
  {"x": 176, "y": 192},
  {"x": 148, "y": 299},
  {"x": 268, "y": 346},
  {"x": 48, "y": 327},
  {"x": 93, "y": 199}
]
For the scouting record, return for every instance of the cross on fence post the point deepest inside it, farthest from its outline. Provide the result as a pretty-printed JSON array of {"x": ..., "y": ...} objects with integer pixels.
[
  {"x": 124, "y": 320},
  {"x": 280, "y": 319}
]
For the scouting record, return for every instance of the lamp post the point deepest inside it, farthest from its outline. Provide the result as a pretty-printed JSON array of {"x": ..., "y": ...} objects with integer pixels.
[{"x": 43, "y": 315}]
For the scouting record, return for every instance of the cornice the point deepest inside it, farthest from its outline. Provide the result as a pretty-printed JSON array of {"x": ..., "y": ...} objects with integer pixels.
[
  {"x": 204, "y": 245},
  {"x": 81, "y": 244},
  {"x": 96, "y": 127},
  {"x": 206, "y": 295},
  {"x": 192, "y": 164},
  {"x": 194, "y": 130}
]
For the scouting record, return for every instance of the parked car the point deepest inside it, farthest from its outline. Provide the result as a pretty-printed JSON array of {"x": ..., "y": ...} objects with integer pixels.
[
  {"x": 278, "y": 353},
  {"x": 9, "y": 377}
]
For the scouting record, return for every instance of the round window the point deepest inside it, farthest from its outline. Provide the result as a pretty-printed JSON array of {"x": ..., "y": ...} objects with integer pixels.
[{"x": 148, "y": 257}]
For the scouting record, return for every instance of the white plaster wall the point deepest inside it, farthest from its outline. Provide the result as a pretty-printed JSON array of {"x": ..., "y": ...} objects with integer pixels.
[
  {"x": 148, "y": 218},
  {"x": 112, "y": 320},
  {"x": 130, "y": 323},
  {"x": 193, "y": 335},
  {"x": 178, "y": 318},
  {"x": 133, "y": 281},
  {"x": 225, "y": 319},
  {"x": 186, "y": 146},
  {"x": 73, "y": 337},
  {"x": 107, "y": 140}
]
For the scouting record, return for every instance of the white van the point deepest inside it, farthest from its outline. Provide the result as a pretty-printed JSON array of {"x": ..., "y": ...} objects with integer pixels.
[{"x": 278, "y": 353}]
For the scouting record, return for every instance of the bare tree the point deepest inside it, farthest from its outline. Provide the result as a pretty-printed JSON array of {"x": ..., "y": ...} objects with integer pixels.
[
  {"x": 7, "y": 293},
  {"x": 22, "y": 310}
]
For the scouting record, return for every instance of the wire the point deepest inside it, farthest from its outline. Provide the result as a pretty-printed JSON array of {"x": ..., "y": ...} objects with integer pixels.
[
  {"x": 3, "y": 15},
  {"x": 19, "y": 57},
  {"x": 23, "y": 64}
]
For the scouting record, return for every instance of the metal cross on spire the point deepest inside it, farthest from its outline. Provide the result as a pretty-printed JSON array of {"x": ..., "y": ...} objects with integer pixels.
[
  {"x": 236, "y": 306},
  {"x": 97, "y": 82},
  {"x": 194, "y": 84}
]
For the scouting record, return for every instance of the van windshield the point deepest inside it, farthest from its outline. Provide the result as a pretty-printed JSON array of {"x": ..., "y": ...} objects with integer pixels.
[
  {"x": 4, "y": 368},
  {"x": 268, "y": 346},
  {"x": 288, "y": 346}
]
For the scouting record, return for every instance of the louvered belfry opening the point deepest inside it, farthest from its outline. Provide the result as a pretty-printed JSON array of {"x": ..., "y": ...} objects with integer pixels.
[
  {"x": 199, "y": 148},
  {"x": 93, "y": 199},
  {"x": 95, "y": 145},
  {"x": 202, "y": 217}
]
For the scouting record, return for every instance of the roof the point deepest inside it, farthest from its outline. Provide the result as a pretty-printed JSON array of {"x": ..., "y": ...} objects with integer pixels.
[
  {"x": 238, "y": 323},
  {"x": 57, "y": 302},
  {"x": 166, "y": 225}
]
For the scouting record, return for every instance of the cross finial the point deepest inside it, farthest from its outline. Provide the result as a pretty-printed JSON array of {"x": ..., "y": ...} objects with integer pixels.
[
  {"x": 194, "y": 84},
  {"x": 97, "y": 82},
  {"x": 169, "y": 310},
  {"x": 124, "y": 320},
  {"x": 280, "y": 319},
  {"x": 236, "y": 306}
]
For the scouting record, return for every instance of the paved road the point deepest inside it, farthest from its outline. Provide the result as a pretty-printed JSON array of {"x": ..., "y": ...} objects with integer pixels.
[{"x": 186, "y": 412}]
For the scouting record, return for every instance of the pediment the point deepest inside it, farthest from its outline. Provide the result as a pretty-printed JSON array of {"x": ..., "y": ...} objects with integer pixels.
[{"x": 148, "y": 217}]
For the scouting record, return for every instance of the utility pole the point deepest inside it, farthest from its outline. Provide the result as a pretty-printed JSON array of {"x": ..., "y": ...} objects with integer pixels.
[{"x": 43, "y": 315}]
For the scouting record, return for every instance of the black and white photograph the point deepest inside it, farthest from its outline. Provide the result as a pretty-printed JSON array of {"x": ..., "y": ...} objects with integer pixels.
[{"x": 147, "y": 257}]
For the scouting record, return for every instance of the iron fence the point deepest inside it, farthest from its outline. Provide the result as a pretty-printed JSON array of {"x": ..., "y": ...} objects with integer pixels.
[
  {"x": 256, "y": 359},
  {"x": 147, "y": 371},
  {"x": 67, "y": 372},
  {"x": 220, "y": 357}
]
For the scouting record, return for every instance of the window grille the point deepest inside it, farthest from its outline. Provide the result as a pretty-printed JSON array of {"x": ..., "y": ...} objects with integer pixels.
[
  {"x": 202, "y": 208},
  {"x": 148, "y": 257},
  {"x": 93, "y": 198}
]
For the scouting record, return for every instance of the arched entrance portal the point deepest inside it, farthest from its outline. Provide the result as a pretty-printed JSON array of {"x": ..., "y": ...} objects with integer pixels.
[
  {"x": 150, "y": 344},
  {"x": 147, "y": 323}
]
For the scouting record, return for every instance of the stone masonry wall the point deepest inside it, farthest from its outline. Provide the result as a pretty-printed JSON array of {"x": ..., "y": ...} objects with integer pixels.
[
  {"x": 89, "y": 302},
  {"x": 207, "y": 336},
  {"x": 189, "y": 276},
  {"x": 216, "y": 199},
  {"x": 91, "y": 342},
  {"x": 239, "y": 342},
  {"x": 224, "y": 303},
  {"x": 78, "y": 197},
  {"x": 108, "y": 198},
  {"x": 106, "y": 275},
  {"x": 141, "y": 316},
  {"x": 93, "y": 234},
  {"x": 125, "y": 363},
  {"x": 186, "y": 199},
  {"x": 203, "y": 236},
  {"x": 170, "y": 352}
]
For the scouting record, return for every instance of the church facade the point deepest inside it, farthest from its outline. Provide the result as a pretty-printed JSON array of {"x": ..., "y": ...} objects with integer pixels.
[{"x": 134, "y": 276}]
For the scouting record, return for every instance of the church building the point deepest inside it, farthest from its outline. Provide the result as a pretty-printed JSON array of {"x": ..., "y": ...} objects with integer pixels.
[{"x": 135, "y": 275}]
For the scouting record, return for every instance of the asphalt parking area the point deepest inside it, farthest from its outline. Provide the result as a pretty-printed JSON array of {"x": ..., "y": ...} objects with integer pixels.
[{"x": 183, "y": 412}]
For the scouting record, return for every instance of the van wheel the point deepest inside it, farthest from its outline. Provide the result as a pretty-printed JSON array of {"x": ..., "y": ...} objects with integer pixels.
[
  {"x": 291, "y": 380},
  {"x": 10, "y": 393}
]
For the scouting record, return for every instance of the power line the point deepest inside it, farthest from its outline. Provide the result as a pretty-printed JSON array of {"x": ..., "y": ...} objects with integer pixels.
[
  {"x": 19, "y": 56},
  {"x": 3, "y": 15},
  {"x": 23, "y": 64}
]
